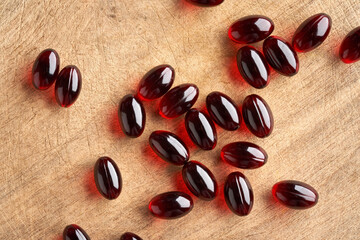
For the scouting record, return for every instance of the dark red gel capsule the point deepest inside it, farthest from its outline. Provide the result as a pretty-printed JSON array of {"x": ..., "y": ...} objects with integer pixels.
[
  {"x": 156, "y": 82},
  {"x": 295, "y": 194},
  {"x": 130, "y": 236},
  {"x": 178, "y": 100},
  {"x": 281, "y": 56},
  {"x": 201, "y": 129},
  {"x": 206, "y": 3},
  {"x": 132, "y": 116},
  {"x": 45, "y": 69},
  {"x": 244, "y": 155},
  {"x": 312, "y": 32},
  {"x": 257, "y": 116},
  {"x": 74, "y": 232},
  {"x": 223, "y": 111},
  {"x": 171, "y": 205},
  {"x": 253, "y": 67},
  {"x": 107, "y": 178},
  {"x": 200, "y": 180},
  {"x": 350, "y": 47},
  {"x": 68, "y": 86},
  {"x": 251, "y": 29},
  {"x": 238, "y": 194},
  {"x": 169, "y": 147}
]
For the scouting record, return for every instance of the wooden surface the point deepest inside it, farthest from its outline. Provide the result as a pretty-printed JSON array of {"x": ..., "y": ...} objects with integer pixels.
[{"x": 47, "y": 153}]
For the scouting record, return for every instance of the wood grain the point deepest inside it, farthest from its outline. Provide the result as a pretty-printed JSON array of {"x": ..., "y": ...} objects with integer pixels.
[{"x": 47, "y": 153}]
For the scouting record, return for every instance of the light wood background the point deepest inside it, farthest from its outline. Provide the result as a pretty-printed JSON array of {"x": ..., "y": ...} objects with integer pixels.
[{"x": 47, "y": 153}]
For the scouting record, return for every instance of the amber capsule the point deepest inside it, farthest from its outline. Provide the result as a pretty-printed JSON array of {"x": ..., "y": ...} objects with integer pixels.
[
  {"x": 281, "y": 56},
  {"x": 257, "y": 116},
  {"x": 132, "y": 116},
  {"x": 169, "y": 147},
  {"x": 68, "y": 86},
  {"x": 206, "y": 3},
  {"x": 223, "y": 110},
  {"x": 253, "y": 67},
  {"x": 201, "y": 129},
  {"x": 171, "y": 205},
  {"x": 156, "y": 82},
  {"x": 312, "y": 32},
  {"x": 130, "y": 236},
  {"x": 350, "y": 47},
  {"x": 107, "y": 178},
  {"x": 238, "y": 194},
  {"x": 200, "y": 180},
  {"x": 45, "y": 69},
  {"x": 295, "y": 194},
  {"x": 250, "y": 29},
  {"x": 244, "y": 155},
  {"x": 178, "y": 100},
  {"x": 74, "y": 232}
]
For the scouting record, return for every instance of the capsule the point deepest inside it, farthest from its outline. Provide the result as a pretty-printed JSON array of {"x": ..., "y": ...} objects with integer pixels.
[
  {"x": 312, "y": 32},
  {"x": 178, "y": 100},
  {"x": 238, "y": 194},
  {"x": 107, "y": 178},
  {"x": 251, "y": 29},
  {"x": 253, "y": 67},
  {"x": 68, "y": 86},
  {"x": 156, "y": 82},
  {"x": 45, "y": 69},
  {"x": 244, "y": 155},
  {"x": 171, "y": 205},
  {"x": 132, "y": 116},
  {"x": 257, "y": 116},
  {"x": 223, "y": 110},
  {"x": 74, "y": 232},
  {"x": 295, "y": 194},
  {"x": 200, "y": 180},
  {"x": 206, "y": 3},
  {"x": 130, "y": 236},
  {"x": 201, "y": 129},
  {"x": 169, "y": 147},
  {"x": 281, "y": 56},
  {"x": 350, "y": 47}
]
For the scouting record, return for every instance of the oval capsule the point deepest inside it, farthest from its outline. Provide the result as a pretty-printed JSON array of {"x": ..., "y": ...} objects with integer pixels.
[
  {"x": 200, "y": 180},
  {"x": 107, "y": 178},
  {"x": 130, "y": 236},
  {"x": 244, "y": 155},
  {"x": 169, "y": 147},
  {"x": 74, "y": 232},
  {"x": 312, "y": 32},
  {"x": 171, "y": 205},
  {"x": 206, "y": 3},
  {"x": 295, "y": 194},
  {"x": 200, "y": 129},
  {"x": 223, "y": 110},
  {"x": 68, "y": 86},
  {"x": 350, "y": 47},
  {"x": 45, "y": 69},
  {"x": 257, "y": 116},
  {"x": 132, "y": 116}
]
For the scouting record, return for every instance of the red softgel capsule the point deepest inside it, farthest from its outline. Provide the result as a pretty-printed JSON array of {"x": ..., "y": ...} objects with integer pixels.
[
  {"x": 350, "y": 47},
  {"x": 257, "y": 116},
  {"x": 178, "y": 100},
  {"x": 281, "y": 56},
  {"x": 312, "y": 32},
  {"x": 238, "y": 194},
  {"x": 130, "y": 236},
  {"x": 200, "y": 180},
  {"x": 132, "y": 116},
  {"x": 171, "y": 205},
  {"x": 74, "y": 232},
  {"x": 251, "y": 29},
  {"x": 253, "y": 67},
  {"x": 169, "y": 147},
  {"x": 223, "y": 110},
  {"x": 45, "y": 69},
  {"x": 156, "y": 82},
  {"x": 206, "y": 3},
  {"x": 107, "y": 178},
  {"x": 295, "y": 194},
  {"x": 201, "y": 129},
  {"x": 68, "y": 86},
  {"x": 244, "y": 155}
]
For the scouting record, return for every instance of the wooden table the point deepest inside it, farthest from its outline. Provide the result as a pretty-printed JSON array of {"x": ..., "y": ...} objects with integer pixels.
[{"x": 47, "y": 153}]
